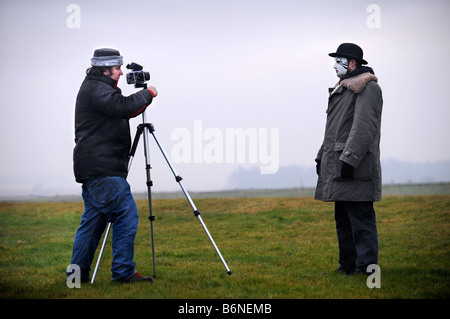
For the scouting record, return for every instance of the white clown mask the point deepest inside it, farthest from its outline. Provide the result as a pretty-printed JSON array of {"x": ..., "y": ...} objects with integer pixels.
[{"x": 341, "y": 66}]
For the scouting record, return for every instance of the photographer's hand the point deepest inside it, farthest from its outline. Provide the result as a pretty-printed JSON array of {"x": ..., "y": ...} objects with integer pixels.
[{"x": 153, "y": 91}]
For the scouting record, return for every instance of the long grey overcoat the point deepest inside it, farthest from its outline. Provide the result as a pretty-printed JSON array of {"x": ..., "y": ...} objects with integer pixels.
[{"x": 352, "y": 135}]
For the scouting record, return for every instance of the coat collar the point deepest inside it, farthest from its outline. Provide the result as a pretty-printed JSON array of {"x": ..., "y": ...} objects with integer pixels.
[
  {"x": 358, "y": 83},
  {"x": 355, "y": 83},
  {"x": 103, "y": 78}
]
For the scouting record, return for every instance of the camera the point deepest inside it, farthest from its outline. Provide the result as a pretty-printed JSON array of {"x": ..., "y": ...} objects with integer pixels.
[{"x": 137, "y": 76}]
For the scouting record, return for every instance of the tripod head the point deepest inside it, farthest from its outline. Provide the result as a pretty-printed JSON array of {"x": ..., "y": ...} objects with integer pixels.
[{"x": 140, "y": 85}]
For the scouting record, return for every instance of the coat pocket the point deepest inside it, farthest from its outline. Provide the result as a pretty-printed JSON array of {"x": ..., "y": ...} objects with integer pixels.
[
  {"x": 99, "y": 191},
  {"x": 364, "y": 171}
]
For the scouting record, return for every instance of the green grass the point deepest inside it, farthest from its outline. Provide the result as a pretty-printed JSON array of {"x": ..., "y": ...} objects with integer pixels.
[{"x": 279, "y": 247}]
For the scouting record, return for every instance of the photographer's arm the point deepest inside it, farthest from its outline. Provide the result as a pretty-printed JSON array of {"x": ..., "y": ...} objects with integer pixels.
[
  {"x": 111, "y": 102},
  {"x": 154, "y": 93}
]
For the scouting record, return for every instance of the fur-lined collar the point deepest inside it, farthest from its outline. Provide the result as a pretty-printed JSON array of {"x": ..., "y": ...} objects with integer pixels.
[{"x": 356, "y": 83}]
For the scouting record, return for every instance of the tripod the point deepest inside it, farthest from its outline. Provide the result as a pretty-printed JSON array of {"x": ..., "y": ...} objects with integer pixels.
[{"x": 149, "y": 128}]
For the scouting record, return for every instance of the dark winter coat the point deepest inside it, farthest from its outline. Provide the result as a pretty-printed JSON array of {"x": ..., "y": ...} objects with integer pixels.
[
  {"x": 102, "y": 130},
  {"x": 352, "y": 135}
]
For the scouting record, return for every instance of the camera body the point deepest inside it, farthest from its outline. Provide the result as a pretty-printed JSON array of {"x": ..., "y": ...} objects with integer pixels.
[{"x": 137, "y": 76}]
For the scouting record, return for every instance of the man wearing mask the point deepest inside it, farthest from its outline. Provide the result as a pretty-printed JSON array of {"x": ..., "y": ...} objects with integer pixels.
[
  {"x": 348, "y": 162},
  {"x": 100, "y": 158}
]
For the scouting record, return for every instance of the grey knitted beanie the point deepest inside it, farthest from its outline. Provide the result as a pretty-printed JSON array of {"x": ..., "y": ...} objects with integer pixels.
[{"x": 106, "y": 57}]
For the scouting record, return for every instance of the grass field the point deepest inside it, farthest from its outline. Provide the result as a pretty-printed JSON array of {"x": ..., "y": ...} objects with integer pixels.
[{"x": 278, "y": 247}]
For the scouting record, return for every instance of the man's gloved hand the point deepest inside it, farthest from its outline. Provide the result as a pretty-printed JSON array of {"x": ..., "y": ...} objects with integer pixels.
[
  {"x": 153, "y": 91},
  {"x": 346, "y": 171}
]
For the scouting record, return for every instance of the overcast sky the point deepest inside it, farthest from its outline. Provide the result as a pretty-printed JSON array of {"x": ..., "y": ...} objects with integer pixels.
[{"x": 261, "y": 66}]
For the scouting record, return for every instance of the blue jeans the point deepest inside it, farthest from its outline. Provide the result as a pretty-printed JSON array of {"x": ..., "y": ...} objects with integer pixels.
[{"x": 107, "y": 199}]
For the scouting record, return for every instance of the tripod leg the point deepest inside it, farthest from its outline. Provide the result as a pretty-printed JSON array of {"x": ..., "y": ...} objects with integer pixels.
[
  {"x": 134, "y": 146},
  {"x": 191, "y": 202},
  {"x": 151, "y": 217},
  {"x": 101, "y": 252}
]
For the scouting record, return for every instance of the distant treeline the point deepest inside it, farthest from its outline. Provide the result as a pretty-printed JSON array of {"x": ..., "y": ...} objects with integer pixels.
[
  {"x": 390, "y": 189},
  {"x": 401, "y": 189}
]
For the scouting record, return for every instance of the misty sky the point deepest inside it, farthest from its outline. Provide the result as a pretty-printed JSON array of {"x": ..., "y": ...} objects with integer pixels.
[{"x": 258, "y": 65}]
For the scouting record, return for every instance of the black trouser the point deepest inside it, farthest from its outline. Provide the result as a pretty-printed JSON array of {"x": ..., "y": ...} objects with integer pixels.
[{"x": 356, "y": 229}]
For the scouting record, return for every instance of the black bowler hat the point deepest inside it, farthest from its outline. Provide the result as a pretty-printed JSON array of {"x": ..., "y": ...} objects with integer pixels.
[{"x": 349, "y": 51}]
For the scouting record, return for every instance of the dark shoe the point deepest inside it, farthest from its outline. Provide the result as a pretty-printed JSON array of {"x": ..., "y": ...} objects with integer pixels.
[
  {"x": 357, "y": 272},
  {"x": 343, "y": 271},
  {"x": 137, "y": 277}
]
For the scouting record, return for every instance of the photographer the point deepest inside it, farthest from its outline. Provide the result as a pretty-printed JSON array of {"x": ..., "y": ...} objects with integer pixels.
[{"x": 103, "y": 141}]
